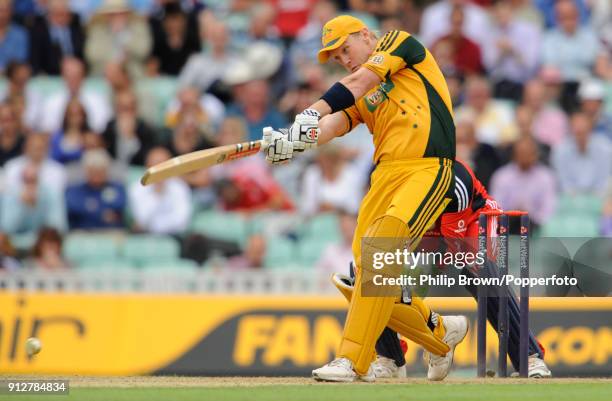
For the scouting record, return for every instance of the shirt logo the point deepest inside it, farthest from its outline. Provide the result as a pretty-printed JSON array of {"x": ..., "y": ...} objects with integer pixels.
[
  {"x": 377, "y": 60},
  {"x": 375, "y": 98}
]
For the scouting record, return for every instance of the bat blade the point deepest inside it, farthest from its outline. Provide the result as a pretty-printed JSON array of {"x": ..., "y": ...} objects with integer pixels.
[{"x": 193, "y": 161}]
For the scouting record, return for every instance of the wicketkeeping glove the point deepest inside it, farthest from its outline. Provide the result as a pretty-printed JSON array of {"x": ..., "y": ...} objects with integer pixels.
[{"x": 304, "y": 133}]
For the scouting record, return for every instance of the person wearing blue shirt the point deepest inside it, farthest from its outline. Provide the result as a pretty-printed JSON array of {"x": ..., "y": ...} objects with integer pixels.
[
  {"x": 31, "y": 206},
  {"x": 253, "y": 104},
  {"x": 97, "y": 203},
  {"x": 14, "y": 40}
]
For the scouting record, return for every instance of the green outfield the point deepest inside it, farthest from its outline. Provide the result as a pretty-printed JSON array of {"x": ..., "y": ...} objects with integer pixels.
[{"x": 269, "y": 389}]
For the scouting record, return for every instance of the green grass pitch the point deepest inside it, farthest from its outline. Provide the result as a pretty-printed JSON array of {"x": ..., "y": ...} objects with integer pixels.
[{"x": 495, "y": 390}]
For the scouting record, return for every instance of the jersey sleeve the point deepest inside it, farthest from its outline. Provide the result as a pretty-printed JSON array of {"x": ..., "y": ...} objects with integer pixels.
[
  {"x": 352, "y": 117},
  {"x": 394, "y": 51}
]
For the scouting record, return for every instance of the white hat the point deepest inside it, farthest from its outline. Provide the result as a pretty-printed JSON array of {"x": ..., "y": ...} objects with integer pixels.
[
  {"x": 261, "y": 61},
  {"x": 591, "y": 90},
  {"x": 114, "y": 6}
]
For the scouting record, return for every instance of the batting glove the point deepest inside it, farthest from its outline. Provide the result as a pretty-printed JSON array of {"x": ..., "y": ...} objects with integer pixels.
[
  {"x": 304, "y": 133},
  {"x": 280, "y": 149}
]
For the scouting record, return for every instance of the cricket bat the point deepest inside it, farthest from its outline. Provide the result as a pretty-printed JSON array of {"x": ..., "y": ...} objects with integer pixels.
[{"x": 198, "y": 160}]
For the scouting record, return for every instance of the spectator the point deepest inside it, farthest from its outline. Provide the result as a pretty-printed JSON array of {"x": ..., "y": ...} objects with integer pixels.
[
  {"x": 118, "y": 77},
  {"x": 56, "y": 35},
  {"x": 245, "y": 191},
  {"x": 188, "y": 137},
  {"x": 96, "y": 106},
  {"x": 494, "y": 119},
  {"x": 97, "y": 203},
  {"x": 583, "y": 162},
  {"x": 330, "y": 184},
  {"x": 434, "y": 22},
  {"x": 512, "y": 52},
  {"x": 157, "y": 11},
  {"x": 8, "y": 254},
  {"x": 466, "y": 53},
  {"x": 307, "y": 43},
  {"x": 337, "y": 256},
  {"x": 127, "y": 137},
  {"x": 31, "y": 205},
  {"x": 47, "y": 251},
  {"x": 298, "y": 99},
  {"x": 162, "y": 208},
  {"x": 525, "y": 183},
  {"x": 204, "y": 69},
  {"x": 11, "y": 138},
  {"x": 293, "y": 16},
  {"x": 116, "y": 34},
  {"x": 119, "y": 80},
  {"x": 26, "y": 100},
  {"x": 246, "y": 184},
  {"x": 547, "y": 9},
  {"x": 173, "y": 44},
  {"x": 591, "y": 94},
  {"x": 550, "y": 125},
  {"x": 14, "y": 40},
  {"x": 252, "y": 101},
  {"x": 36, "y": 150},
  {"x": 572, "y": 49},
  {"x": 481, "y": 157},
  {"x": 261, "y": 26},
  {"x": 68, "y": 144},
  {"x": 207, "y": 109},
  {"x": 525, "y": 121}
]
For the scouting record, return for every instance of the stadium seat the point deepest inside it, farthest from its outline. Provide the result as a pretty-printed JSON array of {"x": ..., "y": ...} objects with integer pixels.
[
  {"x": 143, "y": 250},
  {"x": 171, "y": 264},
  {"x": 580, "y": 204},
  {"x": 104, "y": 264},
  {"x": 310, "y": 251},
  {"x": 571, "y": 225},
  {"x": 282, "y": 254},
  {"x": 322, "y": 227},
  {"x": 46, "y": 86},
  {"x": 134, "y": 174},
  {"x": 225, "y": 226},
  {"x": 79, "y": 247},
  {"x": 23, "y": 242},
  {"x": 98, "y": 85}
]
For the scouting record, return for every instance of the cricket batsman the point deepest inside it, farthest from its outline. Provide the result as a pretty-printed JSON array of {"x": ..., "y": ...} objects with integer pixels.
[
  {"x": 460, "y": 221},
  {"x": 396, "y": 88}
]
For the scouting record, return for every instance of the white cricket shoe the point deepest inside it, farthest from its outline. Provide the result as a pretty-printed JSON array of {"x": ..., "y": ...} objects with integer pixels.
[
  {"x": 537, "y": 368},
  {"x": 341, "y": 370},
  {"x": 385, "y": 368},
  {"x": 456, "y": 329}
]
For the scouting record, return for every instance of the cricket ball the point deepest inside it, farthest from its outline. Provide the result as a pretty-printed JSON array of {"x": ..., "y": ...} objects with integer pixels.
[{"x": 33, "y": 346}]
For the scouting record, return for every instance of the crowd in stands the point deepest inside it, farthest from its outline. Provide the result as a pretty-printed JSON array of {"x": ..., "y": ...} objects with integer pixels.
[{"x": 94, "y": 91}]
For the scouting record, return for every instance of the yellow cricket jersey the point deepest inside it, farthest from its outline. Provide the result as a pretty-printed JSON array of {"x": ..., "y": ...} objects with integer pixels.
[{"x": 410, "y": 113}]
